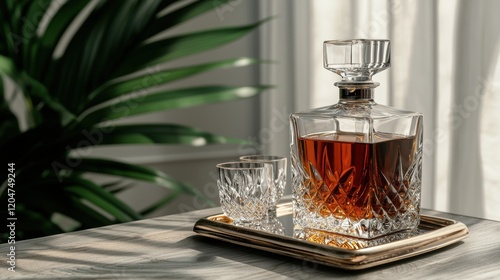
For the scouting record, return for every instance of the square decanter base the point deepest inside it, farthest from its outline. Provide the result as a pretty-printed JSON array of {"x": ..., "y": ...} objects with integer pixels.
[{"x": 359, "y": 228}]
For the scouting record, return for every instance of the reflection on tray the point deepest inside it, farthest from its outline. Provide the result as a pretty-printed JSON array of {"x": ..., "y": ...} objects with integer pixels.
[
  {"x": 348, "y": 242},
  {"x": 270, "y": 225},
  {"x": 283, "y": 225}
]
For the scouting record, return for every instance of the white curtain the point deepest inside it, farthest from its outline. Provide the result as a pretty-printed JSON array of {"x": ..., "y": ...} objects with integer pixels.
[{"x": 445, "y": 64}]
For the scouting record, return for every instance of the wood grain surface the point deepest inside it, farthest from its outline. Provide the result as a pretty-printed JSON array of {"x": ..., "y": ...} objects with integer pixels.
[{"x": 167, "y": 248}]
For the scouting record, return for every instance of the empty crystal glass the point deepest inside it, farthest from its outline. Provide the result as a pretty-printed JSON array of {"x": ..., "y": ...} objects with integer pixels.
[
  {"x": 279, "y": 171},
  {"x": 245, "y": 190}
]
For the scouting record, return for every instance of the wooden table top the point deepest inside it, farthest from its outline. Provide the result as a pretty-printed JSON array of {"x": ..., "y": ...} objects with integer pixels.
[{"x": 167, "y": 248}]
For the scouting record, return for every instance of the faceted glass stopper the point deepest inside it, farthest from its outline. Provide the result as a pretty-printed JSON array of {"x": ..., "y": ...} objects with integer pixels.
[{"x": 357, "y": 60}]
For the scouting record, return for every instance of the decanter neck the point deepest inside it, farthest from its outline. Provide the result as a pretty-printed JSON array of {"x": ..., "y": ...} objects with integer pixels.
[{"x": 356, "y": 91}]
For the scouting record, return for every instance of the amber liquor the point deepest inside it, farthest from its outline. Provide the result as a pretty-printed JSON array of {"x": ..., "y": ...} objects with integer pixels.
[
  {"x": 356, "y": 182},
  {"x": 359, "y": 180}
]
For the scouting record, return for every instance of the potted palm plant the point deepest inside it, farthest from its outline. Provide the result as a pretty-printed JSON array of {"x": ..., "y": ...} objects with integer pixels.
[{"x": 72, "y": 96}]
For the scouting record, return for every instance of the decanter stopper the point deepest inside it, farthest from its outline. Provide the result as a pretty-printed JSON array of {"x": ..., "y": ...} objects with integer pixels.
[{"x": 356, "y": 60}]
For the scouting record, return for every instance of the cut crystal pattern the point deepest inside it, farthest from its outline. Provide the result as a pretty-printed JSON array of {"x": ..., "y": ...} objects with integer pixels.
[
  {"x": 245, "y": 194},
  {"x": 380, "y": 205},
  {"x": 279, "y": 165}
]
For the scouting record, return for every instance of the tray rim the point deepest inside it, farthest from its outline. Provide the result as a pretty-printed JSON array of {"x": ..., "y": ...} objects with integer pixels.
[{"x": 451, "y": 231}]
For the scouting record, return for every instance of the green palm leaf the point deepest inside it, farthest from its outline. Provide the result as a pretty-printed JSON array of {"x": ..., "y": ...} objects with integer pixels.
[
  {"x": 163, "y": 134},
  {"x": 44, "y": 47},
  {"x": 71, "y": 206},
  {"x": 86, "y": 45},
  {"x": 33, "y": 17},
  {"x": 82, "y": 189},
  {"x": 7, "y": 66},
  {"x": 178, "y": 16},
  {"x": 89, "y": 191},
  {"x": 175, "y": 47},
  {"x": 103, "y": 202},
  {"x": 41, "y": 92},
  {"x": 9, "y": 127},
  {"x": 34, "y": 221},
  {"x": 83, "y": 213},
  {"x": 121, "y": 169},
  {"x": 14, "y": 37},
  {"x": 168, "y": 100},
  {"x": 143, "y": 82},
  {"x": 117, "y": 186}
]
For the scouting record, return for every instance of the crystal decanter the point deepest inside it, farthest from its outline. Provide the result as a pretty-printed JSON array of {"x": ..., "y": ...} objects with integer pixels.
[{"x": 356, "y": 165}]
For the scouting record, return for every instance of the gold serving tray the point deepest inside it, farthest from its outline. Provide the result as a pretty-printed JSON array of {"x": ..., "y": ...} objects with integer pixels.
[{"x": 352, "y": 254}]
